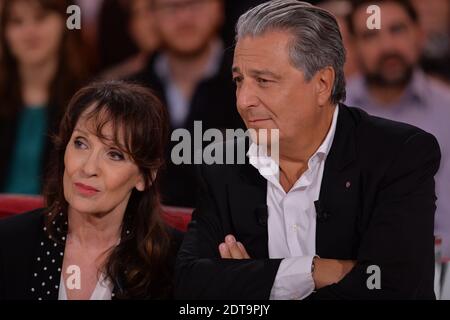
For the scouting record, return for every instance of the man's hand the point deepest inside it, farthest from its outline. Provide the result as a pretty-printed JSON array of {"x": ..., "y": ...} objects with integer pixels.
[
  {"x": 329, "y": 271},
  {"x": 231, "y": 249}
]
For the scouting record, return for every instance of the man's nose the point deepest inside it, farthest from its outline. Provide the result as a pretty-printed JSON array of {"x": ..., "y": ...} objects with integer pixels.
[
  {"x": 388, "y": 41},
  {"x": 246, "y": 96}
]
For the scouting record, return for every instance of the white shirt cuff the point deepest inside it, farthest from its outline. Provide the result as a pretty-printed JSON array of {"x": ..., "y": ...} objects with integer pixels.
[{"x": 294, "y": 280}]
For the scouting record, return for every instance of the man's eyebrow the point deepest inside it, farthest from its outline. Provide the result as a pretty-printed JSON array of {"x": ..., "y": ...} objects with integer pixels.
[
  {"x": 264, "y": 72},
  {"x": 258, "y": 73},
  {"x": 235, "y": 69}
]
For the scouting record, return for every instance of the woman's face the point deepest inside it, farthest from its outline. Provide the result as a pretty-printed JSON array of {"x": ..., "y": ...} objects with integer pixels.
[
  {"x": 34, "y": 35},
  {"x": 98, "y": 177}
]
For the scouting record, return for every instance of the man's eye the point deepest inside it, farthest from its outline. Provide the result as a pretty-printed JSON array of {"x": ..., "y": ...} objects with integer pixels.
[
  {"x": 262, "y": 81},
  {"x": 237, "y": 79},
  {"x": 116, "y": 155},
  {"x": 369, "y": 35},
  {"x": 398, "y": 29}
]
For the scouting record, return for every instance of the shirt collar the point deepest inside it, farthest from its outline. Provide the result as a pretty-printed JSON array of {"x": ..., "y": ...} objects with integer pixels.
[{"x": 418, "y": 88}]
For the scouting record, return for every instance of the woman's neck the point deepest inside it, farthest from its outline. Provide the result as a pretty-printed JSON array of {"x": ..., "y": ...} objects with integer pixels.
[
  {"x": 36, "y": 80},
  {"x": 100, "y": 231}
]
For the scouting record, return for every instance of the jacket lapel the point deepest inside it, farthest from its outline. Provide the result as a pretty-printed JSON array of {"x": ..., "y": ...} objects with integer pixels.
[
  {"x": 247, "y": 203},
  {"x": 339, "y": 194},
  {"x": 46, "y": 275}
]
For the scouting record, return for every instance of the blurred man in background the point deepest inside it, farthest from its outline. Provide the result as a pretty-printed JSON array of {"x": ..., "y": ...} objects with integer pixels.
[
  {"x": 341, "y": 9},
  {"x": 393, "y": 86},
  {"x": 434, "y": 16},
  {"x": 191, "y": 74}
]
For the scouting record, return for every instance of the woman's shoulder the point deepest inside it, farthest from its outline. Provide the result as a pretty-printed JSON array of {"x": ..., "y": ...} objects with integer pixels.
[{"x": 21, "y": 226}]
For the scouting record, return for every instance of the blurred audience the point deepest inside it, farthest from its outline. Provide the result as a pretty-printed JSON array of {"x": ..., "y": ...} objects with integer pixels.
[
  {"x": 1, "y": 7},
  {"x": 114, "y": 43},
  {"x": 89, "y": 27},
  {"x": 41, "y": 67},
  {"x": 140, "y": 25},
  {"x": 393, "y": 86},
  {"x": 233, "y": 10},
  {"x": 192, "y": 74},
  {"x": 434, "y": 16},
  {"x": 341, "y": 10}
]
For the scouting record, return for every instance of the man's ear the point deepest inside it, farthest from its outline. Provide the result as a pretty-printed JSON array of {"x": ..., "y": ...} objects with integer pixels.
[{"x": 325, "y": 80}]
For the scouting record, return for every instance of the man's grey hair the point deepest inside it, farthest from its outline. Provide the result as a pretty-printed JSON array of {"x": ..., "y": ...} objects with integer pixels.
[{"x": 317, "y": 41}]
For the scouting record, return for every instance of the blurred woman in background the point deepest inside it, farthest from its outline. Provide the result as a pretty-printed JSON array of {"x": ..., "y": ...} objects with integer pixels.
[
  {"x": 138, "y": 27},
  {"x": 41, "y": 67}
]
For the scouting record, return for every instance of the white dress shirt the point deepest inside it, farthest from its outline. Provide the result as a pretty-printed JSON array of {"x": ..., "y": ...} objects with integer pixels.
[
  {"x": 103, "y": 289},
  {"x": 292, "y": 220}
]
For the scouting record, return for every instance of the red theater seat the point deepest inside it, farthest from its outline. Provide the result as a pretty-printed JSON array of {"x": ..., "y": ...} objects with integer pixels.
[{"x": 15, "y": 204}]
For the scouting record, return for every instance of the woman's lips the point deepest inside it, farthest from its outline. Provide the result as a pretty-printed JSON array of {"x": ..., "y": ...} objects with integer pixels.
[{"x": 85, "y": 189}]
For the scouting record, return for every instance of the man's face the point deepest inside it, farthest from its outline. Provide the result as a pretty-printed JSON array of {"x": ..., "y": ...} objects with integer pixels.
[
  {"x": 271, "y": 93},
  {"x": 388, "y": 55},
  {"x": 187, "y": 26}
]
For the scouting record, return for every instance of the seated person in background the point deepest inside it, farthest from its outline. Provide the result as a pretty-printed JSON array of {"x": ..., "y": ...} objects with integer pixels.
[
  {"x": 41, "y": 67},
  {"x": 190, "y": 73},
  {"x": 352, "y": 197},
  {"x": 101, "y": 235},
  {"x": 393, "y": 86},
  {"x": 139, "y": 25}
]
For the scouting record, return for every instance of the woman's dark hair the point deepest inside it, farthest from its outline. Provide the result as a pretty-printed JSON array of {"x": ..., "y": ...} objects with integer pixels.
[
  {"x": 72, "y": 67},
  {"x": 138, "y": 265}
]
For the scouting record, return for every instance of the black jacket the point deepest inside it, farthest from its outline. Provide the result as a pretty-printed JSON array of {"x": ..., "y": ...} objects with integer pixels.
[
  {"x": 30, "y": 262},
  {"x": 384, "y": 218},
  {"x": 214, "y": 104}
]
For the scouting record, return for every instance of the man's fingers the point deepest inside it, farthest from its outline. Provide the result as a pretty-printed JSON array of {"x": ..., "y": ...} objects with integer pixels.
[
  {"x": 224, "y": 251},
  {"x": 244, "y": 252},
  {"x": 233, "y": 247}
]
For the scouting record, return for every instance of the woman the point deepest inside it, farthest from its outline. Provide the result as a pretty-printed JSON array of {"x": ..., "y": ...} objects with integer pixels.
[
  {"x": 101, "y": 235},
  {"x": 140, "y": 30},
  {"x": 41, "y": 67}
]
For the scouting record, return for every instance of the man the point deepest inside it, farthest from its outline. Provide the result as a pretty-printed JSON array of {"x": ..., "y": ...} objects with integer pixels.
[
  {"x": 393, "y": 86},
  {"x": 191, "y": 75},
  {"x": 354, "y": 196}
]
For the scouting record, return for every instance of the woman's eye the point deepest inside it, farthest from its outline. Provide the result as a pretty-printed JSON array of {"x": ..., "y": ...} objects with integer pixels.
[
  {"x": 40, "y": 16},
  {"x": 116, "y": 156},
  {"x": 79, "y": 144}
]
